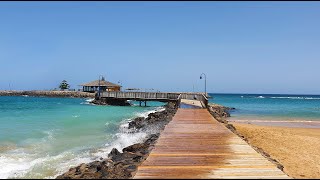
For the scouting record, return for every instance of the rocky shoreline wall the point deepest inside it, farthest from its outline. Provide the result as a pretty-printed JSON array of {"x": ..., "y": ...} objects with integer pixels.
[
  {"x": 76, "y": 94},
  {"x": 124, "y": 165}
]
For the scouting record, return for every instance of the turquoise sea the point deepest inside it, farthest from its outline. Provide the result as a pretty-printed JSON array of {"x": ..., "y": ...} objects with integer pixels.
[
  {"x": 277, "y": 107},
  {"x": 43, "y": 137}
]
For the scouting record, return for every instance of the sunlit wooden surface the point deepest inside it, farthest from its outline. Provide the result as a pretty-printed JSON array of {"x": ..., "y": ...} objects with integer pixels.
[{"x": 194, "y": 145}]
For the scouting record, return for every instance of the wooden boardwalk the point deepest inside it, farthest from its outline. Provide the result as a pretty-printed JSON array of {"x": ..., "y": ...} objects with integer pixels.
[{"x": 195, "y": 145}]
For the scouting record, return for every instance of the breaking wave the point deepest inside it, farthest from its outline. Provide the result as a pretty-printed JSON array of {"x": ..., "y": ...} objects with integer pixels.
[
  {"x": 294, "y": 98},
  {"x": 282, "y": 97},
  {"x": 145, "y": 114}
]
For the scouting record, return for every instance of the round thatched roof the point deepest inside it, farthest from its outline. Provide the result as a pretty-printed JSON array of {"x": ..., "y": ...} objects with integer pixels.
[{"x": 102, "y": 83}]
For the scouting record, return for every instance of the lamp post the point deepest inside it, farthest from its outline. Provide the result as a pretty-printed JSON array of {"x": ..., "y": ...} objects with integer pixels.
[
  {"x": 205, "y": 82},
  {"x": 99, "y": 86},
  {"x": 120, "y": 82}
]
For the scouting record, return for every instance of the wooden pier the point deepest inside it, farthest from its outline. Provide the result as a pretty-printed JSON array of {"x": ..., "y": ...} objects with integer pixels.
[
  {"x": 195, "y": 145},
  {"x": 154, "y": 96}
]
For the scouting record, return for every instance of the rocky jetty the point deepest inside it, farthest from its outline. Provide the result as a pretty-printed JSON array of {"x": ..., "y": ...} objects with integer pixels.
[
  {"x": 158, "y": 119},
  {"x": 124, "y": 165},
  {"x": 220, "y": 113},
  {"x": 117, "y": 166},
  {"x": 76, "y": 94}
]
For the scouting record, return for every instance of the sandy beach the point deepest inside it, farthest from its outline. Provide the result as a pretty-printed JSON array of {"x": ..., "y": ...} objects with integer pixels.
[{"x": 297, "y": 149}]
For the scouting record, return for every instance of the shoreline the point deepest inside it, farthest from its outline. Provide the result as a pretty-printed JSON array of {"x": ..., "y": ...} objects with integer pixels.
[
  {"x": 278, "y": 123},
  {"x": 124, "y": 165}
]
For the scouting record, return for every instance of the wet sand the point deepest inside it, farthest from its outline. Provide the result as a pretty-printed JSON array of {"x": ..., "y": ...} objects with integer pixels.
[{"x": 297, "y": 149}]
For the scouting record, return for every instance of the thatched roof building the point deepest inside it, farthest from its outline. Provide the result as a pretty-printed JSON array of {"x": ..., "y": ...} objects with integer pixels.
[{"x": 93, "y": 86}]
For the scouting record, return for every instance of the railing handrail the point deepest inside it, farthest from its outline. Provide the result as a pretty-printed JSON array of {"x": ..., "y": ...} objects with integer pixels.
[{"x": 205, "y": 100}]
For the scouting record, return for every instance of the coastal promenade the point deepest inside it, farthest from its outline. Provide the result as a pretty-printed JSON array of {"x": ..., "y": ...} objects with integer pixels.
[{"x": 195, "y": 145}]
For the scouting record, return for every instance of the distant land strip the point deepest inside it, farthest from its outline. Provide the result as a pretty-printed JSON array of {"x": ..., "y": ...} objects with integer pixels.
[{"x": 38, "y": 93}]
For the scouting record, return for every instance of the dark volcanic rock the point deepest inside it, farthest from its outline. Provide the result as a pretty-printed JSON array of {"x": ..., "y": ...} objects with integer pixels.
[
  {"x": 114, "y": 154},
  {"x": 117, "y": 166},
  {"x": 135, "y": 148},
  {"x": 219, "y": 112},
  {"x": 137, "y": 123},
  {"x": 159, "y": 119},
  {"x": 152, "y": 139},
  {"x": 91, "y": 170}
]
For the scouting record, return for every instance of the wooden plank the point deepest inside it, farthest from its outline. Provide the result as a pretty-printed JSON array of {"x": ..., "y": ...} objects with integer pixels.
[{"x": 194, "y": 145}]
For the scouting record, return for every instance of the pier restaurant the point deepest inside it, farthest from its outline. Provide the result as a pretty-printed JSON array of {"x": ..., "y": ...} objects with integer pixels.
[{"x": 93, "y": 86}]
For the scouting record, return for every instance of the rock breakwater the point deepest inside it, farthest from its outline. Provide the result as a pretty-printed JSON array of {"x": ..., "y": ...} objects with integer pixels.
[{"x": 220, "y": 113}]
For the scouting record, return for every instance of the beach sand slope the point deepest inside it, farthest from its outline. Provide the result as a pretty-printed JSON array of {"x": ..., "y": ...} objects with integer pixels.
[{"x": 297, "y": 149}]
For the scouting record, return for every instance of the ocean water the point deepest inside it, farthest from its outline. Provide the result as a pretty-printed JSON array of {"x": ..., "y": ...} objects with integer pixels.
[
  {"x": 43, "y": 137},
  {"x": 277, "y": 107}
]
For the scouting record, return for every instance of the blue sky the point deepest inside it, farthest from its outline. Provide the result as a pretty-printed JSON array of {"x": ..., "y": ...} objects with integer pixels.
[{"x": 242, "y": 47}]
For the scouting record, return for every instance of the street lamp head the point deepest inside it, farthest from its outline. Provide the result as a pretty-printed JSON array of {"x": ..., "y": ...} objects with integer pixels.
[{"x": 205, "y": 83}]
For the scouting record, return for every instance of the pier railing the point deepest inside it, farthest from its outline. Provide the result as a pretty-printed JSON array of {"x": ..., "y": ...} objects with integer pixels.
[
  {"x": 155, "y": 96},
  {"x": 204, "y": 100},
  {"x": 140, "y": 95}
]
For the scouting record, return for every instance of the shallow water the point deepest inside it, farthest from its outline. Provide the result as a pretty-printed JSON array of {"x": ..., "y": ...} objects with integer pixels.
[{"x": 42, "y": 137}]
